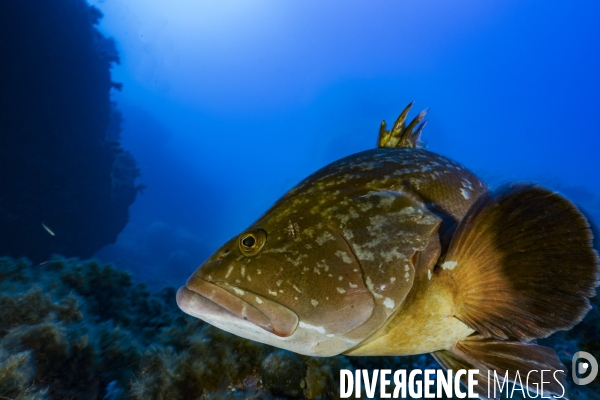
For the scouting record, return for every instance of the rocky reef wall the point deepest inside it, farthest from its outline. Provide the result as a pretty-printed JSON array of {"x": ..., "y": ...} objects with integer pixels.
[{"x": 65, "y": 182}]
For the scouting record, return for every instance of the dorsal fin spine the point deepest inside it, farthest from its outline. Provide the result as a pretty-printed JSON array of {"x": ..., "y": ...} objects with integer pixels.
[{"x": 402, "y": 136}]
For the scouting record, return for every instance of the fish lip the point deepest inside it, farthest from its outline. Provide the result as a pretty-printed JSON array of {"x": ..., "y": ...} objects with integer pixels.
[
  {"x": 283, "y": 320},
  {"x": 223, "y": 300},
  {"x": 230, "y": 302}
]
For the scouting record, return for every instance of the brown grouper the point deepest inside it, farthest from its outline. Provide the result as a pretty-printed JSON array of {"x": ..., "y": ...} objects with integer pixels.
[{"x": 398, "y": 251}]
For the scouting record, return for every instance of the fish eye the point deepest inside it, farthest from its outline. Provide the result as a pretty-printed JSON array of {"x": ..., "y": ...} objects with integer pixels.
[
  {"x": 248, "y": 241},
  {"x": 252, "y": 241}
]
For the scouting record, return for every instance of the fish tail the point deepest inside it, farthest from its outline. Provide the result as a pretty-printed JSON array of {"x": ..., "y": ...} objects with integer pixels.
[
  {"x": 523, "y": 264},
  {"x": 502, "y": 361}
]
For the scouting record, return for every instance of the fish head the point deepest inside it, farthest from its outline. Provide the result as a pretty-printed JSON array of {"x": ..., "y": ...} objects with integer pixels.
[
  {"x": 290, "y": 281},
  {"x": 332, "y": 262}
]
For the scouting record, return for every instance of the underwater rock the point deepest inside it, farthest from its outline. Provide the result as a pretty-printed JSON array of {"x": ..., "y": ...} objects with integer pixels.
[
  {"x": 66, "y": 184},
  {"x": 283, "y": 374}
]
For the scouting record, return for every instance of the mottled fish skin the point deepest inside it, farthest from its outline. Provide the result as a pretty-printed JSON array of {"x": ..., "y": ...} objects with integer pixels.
[
  {"x": 343, "y": 245},
  {"x": 443, "y": 186}
]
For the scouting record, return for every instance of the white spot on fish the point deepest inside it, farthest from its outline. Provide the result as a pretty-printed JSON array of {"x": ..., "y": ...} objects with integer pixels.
[
  {"x": 238, "y": 291},
  {"x": 344, "y": 218},
  {"x": 296, "y": 289},
  {"x": 428, "y": 219},
  {"x": 406, "y": 275},
  {"x": 429, "y": 274},
  {"x": 372, "y": 289},
  {"x": 323, "y": 265},
  {"x": 325, "y": 237},
  {"x": 465, "y": 194},
  {"x": 365, "y": 206},
  {"x": 363, "y": 254},
  {"x": 339, "y": 289},
  {"x": 298, "y": 259},
  {"x": 386, "y": 200},
  {"x": 316, "y": 271},
  {"x": 319, "y": 329},
  {"x": 392, "y": 255},
  {"x": 449, "y": 265},
  {"x": 344, "y": 256},
  {"x": 406, "y": 267},
  {"x": 340, "y": 278},
  {"x": 259, "y": 301},
  {"x": 279, "y": 282},
  {"x": 272, "y": 293},
  {"x": 353, "y": 286},
  {"x": 243, "y": 272},
  {"x": 330, "y": 335},
  {"x": 407, "y": 210},
  {"x": 389, "y": 303},
  {"x": 258, "y": 271},
  {"x": 392, "y": 279},
  {"x": 314, "y": 302},
  {"x": 229, "y": 272},
  {"x": 283, "y": 249},
  {"x": 248, "y": 277}
]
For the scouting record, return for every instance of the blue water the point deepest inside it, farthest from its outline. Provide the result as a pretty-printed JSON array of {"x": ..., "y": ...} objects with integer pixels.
[{"x": 227, "y": 105}]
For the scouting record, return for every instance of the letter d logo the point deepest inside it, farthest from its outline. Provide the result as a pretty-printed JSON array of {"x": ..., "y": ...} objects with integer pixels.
[{"x": 580, "y": 369}]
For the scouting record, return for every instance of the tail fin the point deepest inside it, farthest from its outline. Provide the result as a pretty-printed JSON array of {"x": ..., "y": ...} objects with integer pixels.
[
  {"x": 523, "y": 264},
  {"x": 498, "y": 362}
]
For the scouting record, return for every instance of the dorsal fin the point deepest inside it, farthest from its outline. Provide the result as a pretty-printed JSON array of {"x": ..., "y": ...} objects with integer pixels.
[{"x": 402, "y": 135}]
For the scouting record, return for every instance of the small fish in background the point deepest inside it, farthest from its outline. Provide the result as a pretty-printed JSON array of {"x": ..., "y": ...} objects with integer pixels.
[
  {"x": 48, "y": 229},
  {"x": 399, "y": 251}
]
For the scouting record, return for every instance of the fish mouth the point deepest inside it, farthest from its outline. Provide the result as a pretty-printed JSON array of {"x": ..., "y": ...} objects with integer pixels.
[{"x": 207, "y": 301}]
